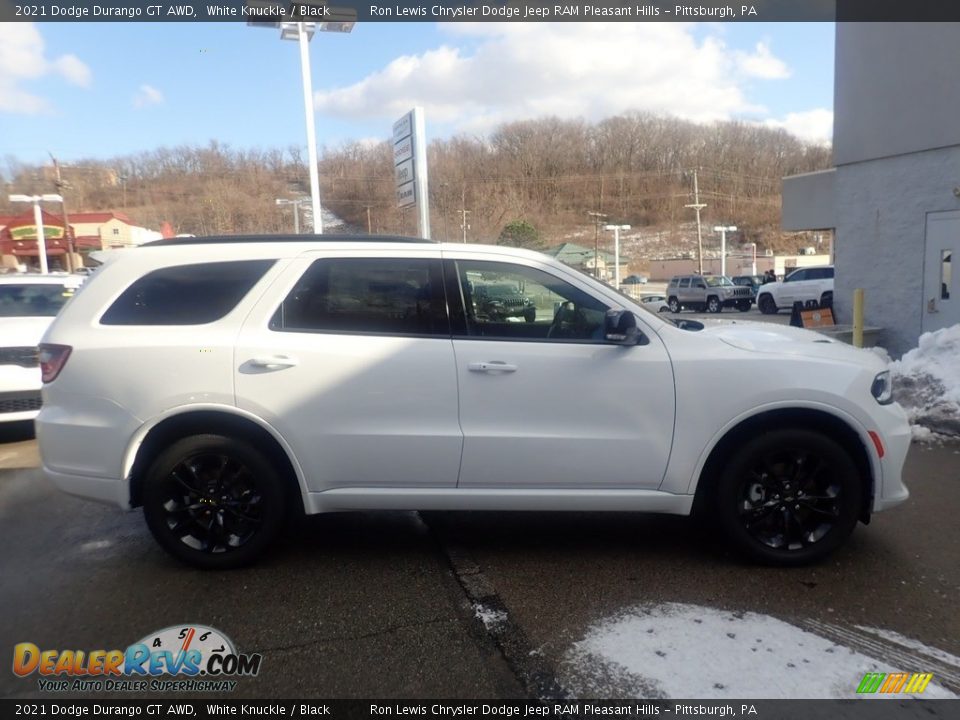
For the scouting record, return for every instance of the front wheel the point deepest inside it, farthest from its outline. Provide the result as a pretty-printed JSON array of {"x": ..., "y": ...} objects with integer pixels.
[
  {"x": 714, "y": 305},
  {"x": 743, "y": 305},
  {"x": 674, "y": 305},
  {"x": 767, "y": 305},
  {"x": 530, "y": 315},
  {"x": 213, "y": 501},
  {"x": 789, "y": 497}
]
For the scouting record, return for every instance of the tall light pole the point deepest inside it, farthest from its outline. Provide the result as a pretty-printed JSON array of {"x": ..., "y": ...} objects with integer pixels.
[
  {"x": 38, "y": 220},
  {"x": 297, "y": 202},
  {"x": 723, "y": 230},
  {"x": 303, "y": 33},
  {"x": 616, "y": 251}
]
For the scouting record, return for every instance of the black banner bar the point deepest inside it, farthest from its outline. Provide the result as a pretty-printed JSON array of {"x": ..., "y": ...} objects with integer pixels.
[
  {"x": 345, "y": 12},
  {"x": 865, "y": 709}
]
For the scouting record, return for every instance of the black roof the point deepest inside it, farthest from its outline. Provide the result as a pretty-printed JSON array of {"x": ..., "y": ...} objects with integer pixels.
[{"x": 333, "y": 237}]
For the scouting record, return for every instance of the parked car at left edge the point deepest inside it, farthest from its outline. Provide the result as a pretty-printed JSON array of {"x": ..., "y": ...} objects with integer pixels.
[{"x": 28, "y": 304}]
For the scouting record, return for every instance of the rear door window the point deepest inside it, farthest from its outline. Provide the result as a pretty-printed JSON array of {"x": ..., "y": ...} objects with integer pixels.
[
  {"x": 379, "y": 296},
  {"x": 186, "y": 294}
]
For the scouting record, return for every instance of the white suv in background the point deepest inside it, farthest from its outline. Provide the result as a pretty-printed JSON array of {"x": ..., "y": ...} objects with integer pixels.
[
  {"x": 28, "y": 304},
  {"x": 802, "y": 285},
  {"x": 222, "y": 383}
]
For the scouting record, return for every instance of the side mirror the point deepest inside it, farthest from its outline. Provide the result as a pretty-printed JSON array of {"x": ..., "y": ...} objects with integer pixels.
[{"x": 620, "y": 328}]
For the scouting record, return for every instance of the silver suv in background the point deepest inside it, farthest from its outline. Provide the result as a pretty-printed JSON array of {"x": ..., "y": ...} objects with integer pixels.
[{"x": 707, "y": 292}]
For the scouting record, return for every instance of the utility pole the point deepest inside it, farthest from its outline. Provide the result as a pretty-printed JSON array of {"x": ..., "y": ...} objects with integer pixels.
[
  {"x": 598, "y": 218},
  {"x": 464, "y": 212},
  {"x": 698, "y": 206},
  {"x": 63, "y": 208}
]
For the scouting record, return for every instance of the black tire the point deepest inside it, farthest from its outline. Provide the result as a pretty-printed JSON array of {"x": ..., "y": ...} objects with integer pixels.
[
  {"x": 530, "y": 315},
  {"x": 767, "y": 305},
  {"x": 714, "y": 305},
  {"x": 789, "y": 497},
  {"x": 826, "y": 300},
  {"x": 743, "y": 305},
  {"x": 217, "y": 480},
  {"x": 674, "y": 305}
]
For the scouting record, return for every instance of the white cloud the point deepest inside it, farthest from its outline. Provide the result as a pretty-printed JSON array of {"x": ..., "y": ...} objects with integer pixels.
[
  {"x": 762, "y": 64},
  {"x": 147, "y": 95},
  {"x": 22, "y": 59},
  {"x": 589, "y": 70},
  {"x": 814, "y": 126}
]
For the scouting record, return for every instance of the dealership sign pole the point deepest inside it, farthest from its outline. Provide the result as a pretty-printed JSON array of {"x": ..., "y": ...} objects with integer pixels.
[{"x": 410, "y": 167}]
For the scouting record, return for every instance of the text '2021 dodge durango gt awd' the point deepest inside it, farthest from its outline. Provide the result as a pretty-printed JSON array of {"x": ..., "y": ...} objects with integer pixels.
[{"x": 222, "y": 383}]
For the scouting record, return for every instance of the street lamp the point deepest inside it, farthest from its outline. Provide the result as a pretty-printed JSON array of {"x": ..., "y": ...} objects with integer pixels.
[
  {"x": 38, "y": 220},
  {"x": 616, "y": 251},
  {"x": 302, "y": 32},
  {"x": 297, "y": 202},
  {"x": 723, "y": 230}
]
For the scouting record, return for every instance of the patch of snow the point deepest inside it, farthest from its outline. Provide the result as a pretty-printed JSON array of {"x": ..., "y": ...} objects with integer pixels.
[
  {"x": 490, "y": 618},
  {"x": 687, "y": 651},
  {"x": 895, "y": 637},
  {"x": 926, "y": 382}
]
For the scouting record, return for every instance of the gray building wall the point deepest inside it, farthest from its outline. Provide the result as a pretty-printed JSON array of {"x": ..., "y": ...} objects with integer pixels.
[
  {"x": 808, "y": 201},
  {"x": 896, "y": 89},
  {"x": 881, "y": 225},
  {"x": 896, "y": 145}
]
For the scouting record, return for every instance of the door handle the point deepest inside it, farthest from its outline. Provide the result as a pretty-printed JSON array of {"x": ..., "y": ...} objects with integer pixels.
[
  {"x": 491, "y": 366},
  {"x": 273, "y": 362}
]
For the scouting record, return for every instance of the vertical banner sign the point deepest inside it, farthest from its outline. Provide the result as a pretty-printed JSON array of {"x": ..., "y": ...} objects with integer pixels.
[{"x": 410, "y": 166}]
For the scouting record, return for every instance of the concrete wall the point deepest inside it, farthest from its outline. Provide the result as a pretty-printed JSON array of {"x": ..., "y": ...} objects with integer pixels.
[
  {"x": 896, "y": 89},
  {"x": 881, "y": 220},
  {"x": 808, "y": 201}
]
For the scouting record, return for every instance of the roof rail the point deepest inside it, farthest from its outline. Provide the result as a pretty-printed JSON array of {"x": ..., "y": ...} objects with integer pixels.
[{"x": 334, "y": 237}]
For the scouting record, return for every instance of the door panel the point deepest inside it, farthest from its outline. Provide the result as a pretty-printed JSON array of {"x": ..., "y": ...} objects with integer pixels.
[
  {"x": 940, "y": 287},
  {"x": 354, "y": 371},
  {"x": 547, "y": 404}
]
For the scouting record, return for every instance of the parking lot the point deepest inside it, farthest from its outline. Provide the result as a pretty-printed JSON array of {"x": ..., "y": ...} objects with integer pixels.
[{"x": 487, "y": 605}]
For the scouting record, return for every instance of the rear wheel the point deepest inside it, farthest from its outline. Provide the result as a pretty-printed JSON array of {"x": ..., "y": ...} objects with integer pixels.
[
  {"x": 674, "y": 305},
  {"x": 789, "y": 497},
  {"x": 767, "y": 305},
  {"x": 213, "y": 501},
  {"x": 714, "y": 305}
]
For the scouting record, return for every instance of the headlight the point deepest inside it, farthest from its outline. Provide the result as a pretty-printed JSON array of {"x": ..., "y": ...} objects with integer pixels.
[{"x": 882, "y": 388}]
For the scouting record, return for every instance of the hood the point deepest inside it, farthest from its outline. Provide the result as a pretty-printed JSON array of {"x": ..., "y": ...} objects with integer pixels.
[
  {"x": 793, "y": 341},
  {"x": 23, "y": 331}
]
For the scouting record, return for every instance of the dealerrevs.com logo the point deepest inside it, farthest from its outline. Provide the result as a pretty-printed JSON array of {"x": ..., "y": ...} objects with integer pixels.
[{"x": 180, "y": 658}]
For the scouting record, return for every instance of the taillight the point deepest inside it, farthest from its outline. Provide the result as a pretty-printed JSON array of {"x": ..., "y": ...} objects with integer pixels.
[{"x": 52, "y": 360}]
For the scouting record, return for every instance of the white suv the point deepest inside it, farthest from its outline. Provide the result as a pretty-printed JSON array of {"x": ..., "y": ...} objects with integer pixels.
[
  {"x": 222, "y": 383},
  {"x": 28, "y": 304},
  {"x": 802, "y": 285}
]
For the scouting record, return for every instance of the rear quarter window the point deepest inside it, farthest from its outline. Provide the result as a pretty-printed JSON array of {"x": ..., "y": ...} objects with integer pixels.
[{"x": 186, "y": 294}]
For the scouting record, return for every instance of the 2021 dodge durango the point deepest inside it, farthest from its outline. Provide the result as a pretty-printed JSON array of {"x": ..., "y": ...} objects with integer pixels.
[{"x": 223, "y": 383}]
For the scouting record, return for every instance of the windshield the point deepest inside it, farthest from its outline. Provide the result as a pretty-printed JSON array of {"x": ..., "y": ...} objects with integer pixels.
[
  {"x": 718, "y": 281},
  {"x": 32, "y": 300}
]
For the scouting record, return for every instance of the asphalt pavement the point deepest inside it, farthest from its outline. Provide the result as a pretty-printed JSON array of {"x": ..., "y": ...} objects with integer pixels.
[{"x": 482, "y": 605}]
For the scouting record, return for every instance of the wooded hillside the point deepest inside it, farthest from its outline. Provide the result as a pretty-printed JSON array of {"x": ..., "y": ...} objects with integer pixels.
[{"x": 548, "y": 173}]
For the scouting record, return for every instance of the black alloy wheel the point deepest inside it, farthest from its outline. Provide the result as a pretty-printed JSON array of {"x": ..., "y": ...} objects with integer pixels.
[
  {"x": 789, "y": 497},
  {"x": 213, "y": 502},
  {"x": 767, "y": 305},
  {"x": 674, "y": 305}
]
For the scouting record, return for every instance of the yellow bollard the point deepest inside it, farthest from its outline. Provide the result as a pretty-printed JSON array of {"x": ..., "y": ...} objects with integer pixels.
[{"x": 858, "y": 318}]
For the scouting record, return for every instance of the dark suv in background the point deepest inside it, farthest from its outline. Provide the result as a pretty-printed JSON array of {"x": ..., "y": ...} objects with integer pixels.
[{"x": 500, "y": 301}]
